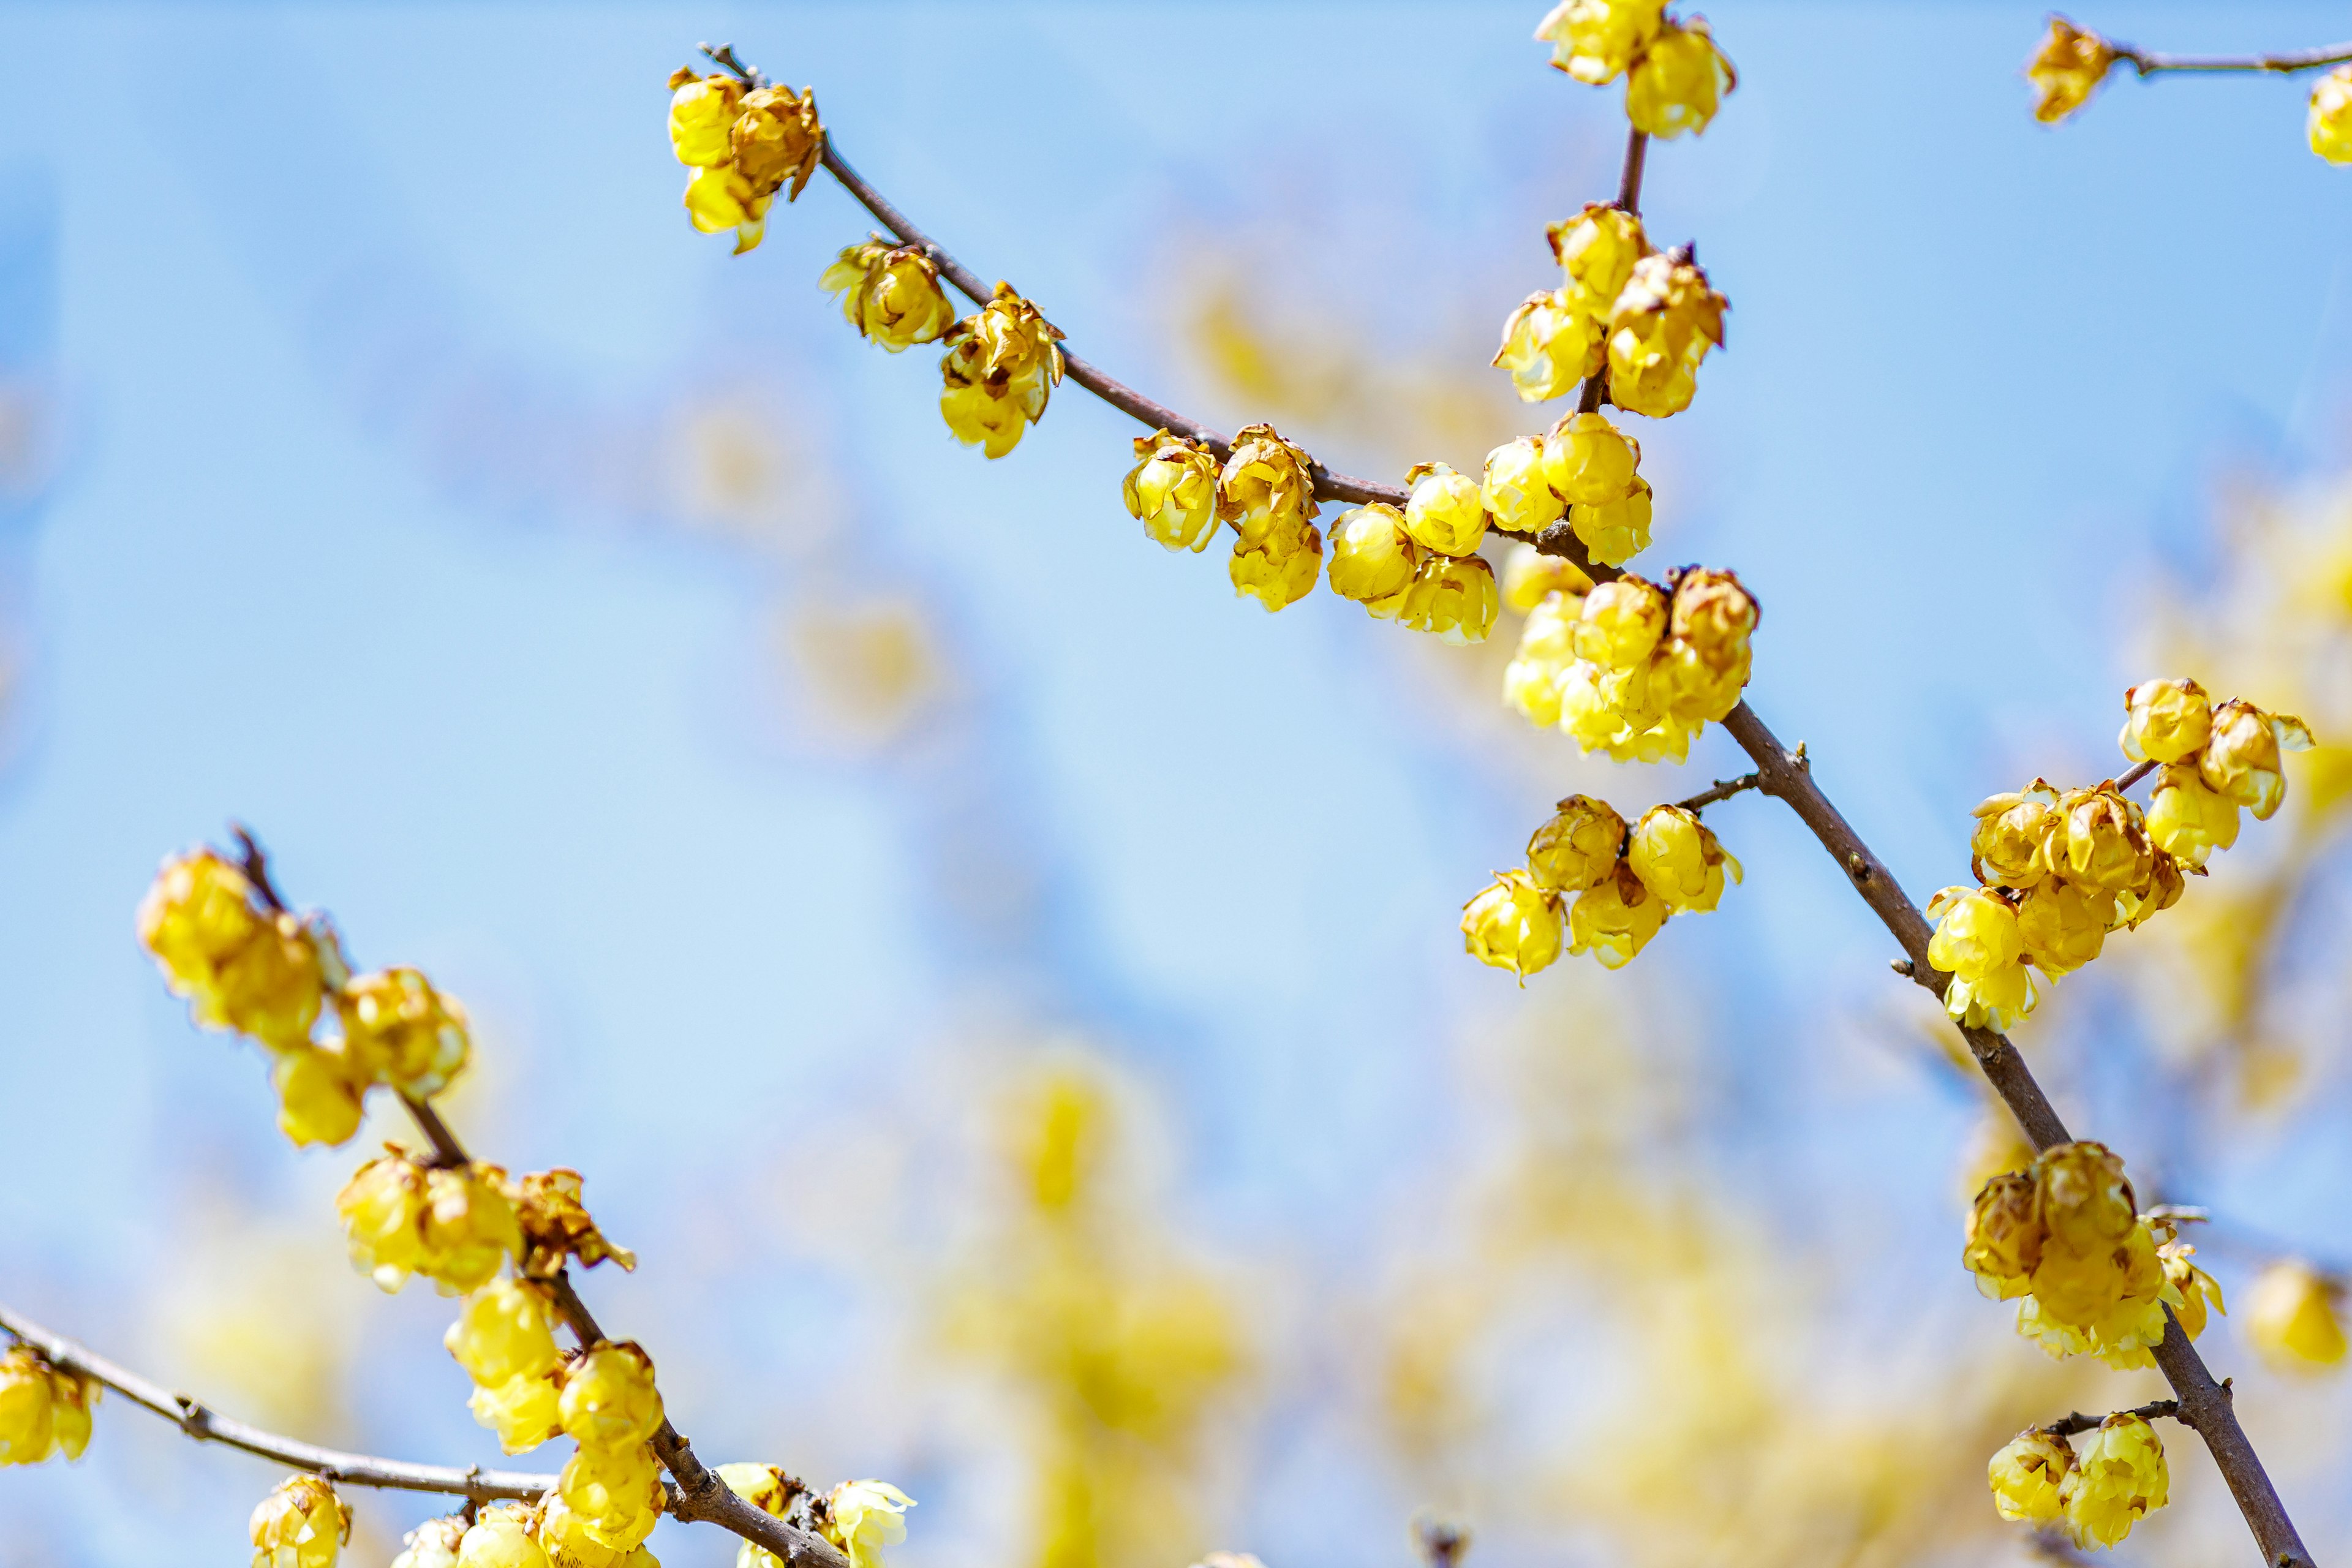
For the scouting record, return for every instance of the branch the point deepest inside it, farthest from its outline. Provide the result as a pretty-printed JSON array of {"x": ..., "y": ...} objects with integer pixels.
[
  {"x": 2149, "y": 64},
  {"x": 473, "y": 1483},
  {"x": 2067, "y": 1426},
  {"x": 1722, "y": 789}
]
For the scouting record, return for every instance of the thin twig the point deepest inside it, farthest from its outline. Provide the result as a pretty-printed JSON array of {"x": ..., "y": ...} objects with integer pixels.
[
  {"x": 2067, "y": 1426},
  {"x": 473, "y": 1483},
  {"x": 2133, "y": 775},
  {"x": 1722, "y": 789},
  {"x": 2149, "y": 63}
]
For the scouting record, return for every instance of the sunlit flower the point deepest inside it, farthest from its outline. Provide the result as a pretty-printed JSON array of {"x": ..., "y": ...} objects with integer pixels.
[
  {"x": 2026, "y": 1475},
  {"x": 1445, "y": 513},
  {"x": 1268, "y": 483},
  {"x": 1588, "y": 460},
  {"x": 722, "y": 197},
  {"x": 1659, "y": 330},
  {"x": 2118, "y": 1479},
  {"x": 897, "y": 302},
  {"x": 1529, "y": 576},
  {"x": 1453, "y": 598},
  {"x": 2066, "y": 69},
  {"x": 2004, "y": 1236},
  {"x": 776, "y": 139},
  {"x": 1373, "y": 557},
  {"x": 1614, "y": 533},
  {"x": 1679, "y": 81},
  {"x": 614, "y": 1492},
  {"x": 2240, "y": 759},
  {"x": 866, "y": 1516},
  {"x": 1172, "y": 491},
  {"x": 1515, "y": 492},
  {"x": 701, "y": 108},
  {"x": 1514, "y": 924},
  {"x": 2330, "y": 124},
  {"x": 435, "y": 1544},
  {"x": 2102, "y": 842},
  {"x": 1677, "y": 857},
  {"x": 609, "y": 1400},
  {"x": 398, "y": 1029},
  {"x": 524, "y": 1411},
  {"x": 2012, "y": 846},
  {"x": 2064, "y": 924},
  {"x": 241, "y": 967},
  {"x": 2187, "y": 820},
  {"x": 1550, "y": 342},
  {"x": 1615, "y": 918},
  {"x": 1578, "y": 845},
  {"x": 1277, "y": 566},
  {"x": 500, "y": 1538},
  {"x": 302, "y": 1525},
  {"x": 506, "y": 1330},
  {"x": 319, "y": 1094},
  {"x": 1547, "y": 648},
  {"x": 1594, "y": 41},
  {"x": 2165, "y": 721},
  {"x": 1596, "y": 249}
]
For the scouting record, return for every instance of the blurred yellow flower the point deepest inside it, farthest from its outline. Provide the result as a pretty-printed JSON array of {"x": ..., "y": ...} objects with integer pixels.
[
  {"x": 1594, "y": 41},
  {"x": 2066, "y": 69},
  {"x": 2330, "y": 124},
  {"x": 2294, "y": 1317},
  {"x": 1679, "y": 82}
]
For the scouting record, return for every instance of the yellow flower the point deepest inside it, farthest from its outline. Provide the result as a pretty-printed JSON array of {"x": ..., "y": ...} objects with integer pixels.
[
  {"x": 1692, "y": 691},
  {"x": 44, "y": 1409},
  {"x": 501, "y": 1538},
  {"x": 468, "y": 1228},
  {"x": 2200, "y": 1292},
  {"x": 1978, "y": 942},
  {"x": 382, "y": 1211},
  {"x": 616, "y": 1493},
  {"x": 1004, "y": 354},
  {"x": 1172, "y": 491},
  {"x": 1715, "y": 616},
  {"x": 1679, "y": 859},
  {"x": 1679, "y": 81},
  {"x": 556, "y": 1225},
  {"x": 770, "y": 1490},
  {"x": 2293, "y": 1317},
  {"x": 722, "y": 197},
  {"x": 976, "y": 418},
  {"x": 1614, "y": 533},
  {"x": 845, "y": 277},
  {"x": 240, "y": 966},
  {"x": 398, "y": 1029},
  {"x": 866, "y": 1516},
  {"x": 2064, "y": 924},
  {"x": 435, "y": 1544},
  {"x": 2005, "y": 1236},
  {"x": 2166, "y": 721},
  {"x": 1529, "y": 576},
  {"x": 1592, "y": 40},
  {"x": 898, "y": 301},
  {"x": 1578, "y": 846},
  {"x": 2066, "y": 69},
  {"x": 2102, "y": 842},
  {"x": 1659, "y": 330},
  {"x": 1516, "y": 491},
  {"x": 2187, "y": 820},
  {"x": 1512, "y": 923},
  {"x": 1597, "y": 250},
  {"x": 1615, "y": 918},
  {"x": 1621, "y": 623},
  {"x": 2012, "y": 846},
  {"x": 302, "y": 1525},
  {"x": 700, "y": 111},
  {"x": 2026, "y": 1474},
  {"x": 2118, "y": 1479},
  {"x": 1455, "y": 600},
  {"x": 2330, "y": 126},
  {"x": 2240, "y": 759},
  {"x": 609, "y": 1399},
  {"x": 319, "y": 1094},
  {"x": 2084, "y": 1199},
  {"x": 1373, "y": 557},
  {"x": 1277, "y": 567},
  {"x": 1549, "y": 344},
  {"x": 1588, "y": 460},
  {"x": 777, "y": 139},
  {"x": 1267, "y": 483},
  {"x": 524, "y": 1410},
  {"x": 1532, "y": 681},
  {"x": 2162, "y": 890},
  {"x": 505, "y": 1331},
  {"x": 1444, "y": 513},
  {"x": 564, "y": 1536}
]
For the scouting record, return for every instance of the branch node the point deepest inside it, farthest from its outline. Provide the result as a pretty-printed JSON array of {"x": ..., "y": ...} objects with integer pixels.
[{"x": 1902, "y": 966}]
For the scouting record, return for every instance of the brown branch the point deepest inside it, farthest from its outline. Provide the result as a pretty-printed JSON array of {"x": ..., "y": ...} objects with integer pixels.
[
  {"x": 2067, "y": 1426},
  {"x": 472, "y": 1483},
  {"x": 1722, "y": 789},
  {"x": 2148, "y": 63}
]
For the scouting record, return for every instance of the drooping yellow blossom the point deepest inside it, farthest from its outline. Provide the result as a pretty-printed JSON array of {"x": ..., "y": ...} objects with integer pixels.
[
  {"x": 2086, "y": 1200},
  {"x": 1373, "y": 557},
  {"x": 1515, "y": 492},
  {"x": 2162, "y": 890},
  {"x": 1716, "y": 615},
  {"x": 609, "y": 1399},
  {"x": 1455, "y": 599},
  {"x": 1001, "y": 365},
  {"x": 302, "y": 1525},
  {"x": 1514, "y": 924},
  {"x": 2102, "y": 841},
  {"x": 1594, "y": 41},
  {"x": 524, "y": 1410},
  {"x": 1690, "y": 690},
  {"x": 564, "y": 1536},
  {"x": 1279, "y": 567},
  {"x": 1529, "y": 576},
  {"x": 1445, "y": 513},
  {"x": 2240, "y": 759},
  {"x": 2165, "y": 721},
  {"x": 435, "y": 1544},
  {"x": 1596, "y": 249},
  {"x": 1267, "y": 484},
  {"x": 1172, "y": 491},
  {"x": 2118, "y": 1479},
  {"x": 2187, "y": 820},
  {"x": 701, "y": 108},
  {"x": 469, "y": 1227},
  {"x": 1615, "y": 918},
  {"x": 2294, "y": 1317},
  {"x": 722, "y": 197},
  {"x": 1614, "y": 533},
  {"x": 2066, "y": 69},
  {"x": 2064, "y": 924},
  {"x": 1679, "y": 82},
  {"x": 895, "y": 299},
  {"x": 2004, "y": 1236},
  {"x": 2014, "y": 843},
  {"x": 382, "y": 1211},
  {"x": 44, "y": 1408},
  {"x": 319, "y": 1094},
  {"x": 1595, "y": 713},
  {"x": 1547, "y": 649},
  {"x": 845, "y": 276},
  {"x": 1679, "y": 858},
  {"x": 2330, "y": 124},
  {"x": 502, "y": 1537},
  {"x": 1550, "y": 342},
  {"x": 864, "y": 1517},
  {"x": 1578, "y": 845},
  {"x": 1978, "y": 942},
  {"x": 1588, "y": 460},
  {"x": 768, "y": 1488},
  {"x": 241, "y": 967},
  {"x": 776, "y": 139},
  {"x": 2026, "y": 1475},
  {"x": 556, "y": 1224},
  {"x": 616, "y": 1493},
  {"x": 1659, "y": 330},
  {"x": 506, "y": 1330},
  {"x": 398, "y": 1029},
  {"x": 1622, "y": 623},
  {"x": 2200, "y": 1293}
]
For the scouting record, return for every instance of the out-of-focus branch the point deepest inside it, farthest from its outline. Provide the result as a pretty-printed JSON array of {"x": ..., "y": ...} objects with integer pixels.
[
  {"x": 199, "y": 1422},
  {"x": 2067, "y": 1426},
  {"x": 2148, "y": 63}
]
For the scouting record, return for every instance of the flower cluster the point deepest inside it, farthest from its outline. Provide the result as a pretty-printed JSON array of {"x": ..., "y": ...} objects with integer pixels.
[
  {"x": 2097, "y": 1495},
  {"x": 1632, "y": 669},
  {"x": 1648, "y": 317},
  {"x": 44, "y": 1408},
  {"x": 891, "y": 294},
  {"x": 860, "y": 1516},
  {"x": 545, "y": 1534},
  {"x": 302, "y": 1525},
  {"x": 743, "y": 146},
  {"x": 609, "y": 1495},
  {"x": 2067, "y": 1234},
  {"x": 245, "y": 964},
  {"x": 2330, "y": 124},
  {"x": 1625, "y": 883},
  {"x": 454, "y": 1226},
  {"x": 505, "y": 1339},
  {"x": 2294, "y": 1317},
  {"x": 1675, "y": 76},
  {"x": 2061, "y": 869}
]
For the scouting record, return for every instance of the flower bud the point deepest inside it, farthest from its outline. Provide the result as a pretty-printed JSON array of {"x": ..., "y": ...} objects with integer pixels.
[
  {"x": 722, "y": 197},
  {"x": 1597, "y": 250},
  {"x": 241, "y": 967},
  {"x": 864, "y": 1517},
  {"x": 1172, "y": 491},
  {"x": 1677, "y": 857},
  {"x": 2014, "y": 843},
  {"x": 469, "y": 1227},
  {"x": 2294, "y": 1319},
  {"x": 1588, "y": 460},
  {"x": 616, "y": 1493},
  {"x": 524, "y": 1410},
  {"x": 1512, "y": 923},
  {"x": 1621, "y": 623},
  {"x": 2330, "y": 125},
  {"x": 1659, "y": 330},
  {"x": 700, "y": 111},
  {"x": 1279, "y": 567},
  {"x": 1614, "y": 533},
  {"x": 398, "y": 1029},
  {"x": 1267, "y": 484},
  {"x": 319, "y": 1094},
  {"x": 1444, "y": 513},
  {"x": 557, "y": 1225},
  {"x": 898, "y": 301},
  {"x": 1515, "y": 492},
  {"x": 1716, "y": 615},
  {"x": 2102, "y": 842},
  {"x": 1549, "y": 344},
  {"x": 1615, "y": 918},
  {"x": 2165, "y": 721},
  {"x": 2086, "y": 1200},
  {"x": 2066, "y": 69},
  {"x": 28, "y": 1407},
  {"x": 1578, "y": 846},
  {"x": 382, "y": 1211},
  {"x": 2118, "y": 1479},
  {"x": 1679, "y": 81},
  {"x": 2240, "y": 759},
  {"x": 2004, "y": 1235},
  {"x": 2025, "y": 1477},
  {"x": 609, "y": 1399},
  {"x": 435, "y": 1544},
  {"x": 777, "y": 139},
  {"x": 302, "y": 1525},
  {"x": 501, "y": 1538},
  {"x": 1453, "y": 598},
  {"x": 505, "y": 1331},
  {"x": 1529, "y": 576},
  {"x": 1592, "y": 40},
  {"x": 2064, "y": 924},
  {"x": 1373, "y": 557},
  {"x": 2185, "y": 820},
  {"x": 1532, "y": 681}
]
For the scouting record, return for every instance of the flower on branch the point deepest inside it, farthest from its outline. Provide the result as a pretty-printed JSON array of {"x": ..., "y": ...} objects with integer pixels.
[
  {"x": 44, "y": 1408},
  {"x": 556, "y": 1225},
  {"x": 1373, "y": 557},
  {"x": 1679, "y": 82},
  {"x": 2118, "y": 1479},
  {"x": 1172, "y": 491},
  {"x": 2329, "y": 126},
  {"x": 302, "y": 1525},
  {"x": 1001, "y": 365},
  {"x": 2066, "y": 69},
  {"x": 1659, "y": 330}
]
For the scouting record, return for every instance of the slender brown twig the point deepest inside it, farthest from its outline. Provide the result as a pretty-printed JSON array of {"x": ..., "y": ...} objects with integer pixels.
[
  {"x": 2067, "y": 1426},
  {"x": 2148, "y": 63},
  {"x": 1722, "y": 789}
]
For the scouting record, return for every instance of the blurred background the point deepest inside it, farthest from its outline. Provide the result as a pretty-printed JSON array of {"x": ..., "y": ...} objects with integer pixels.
[{"x": 1005, "y": 987}]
